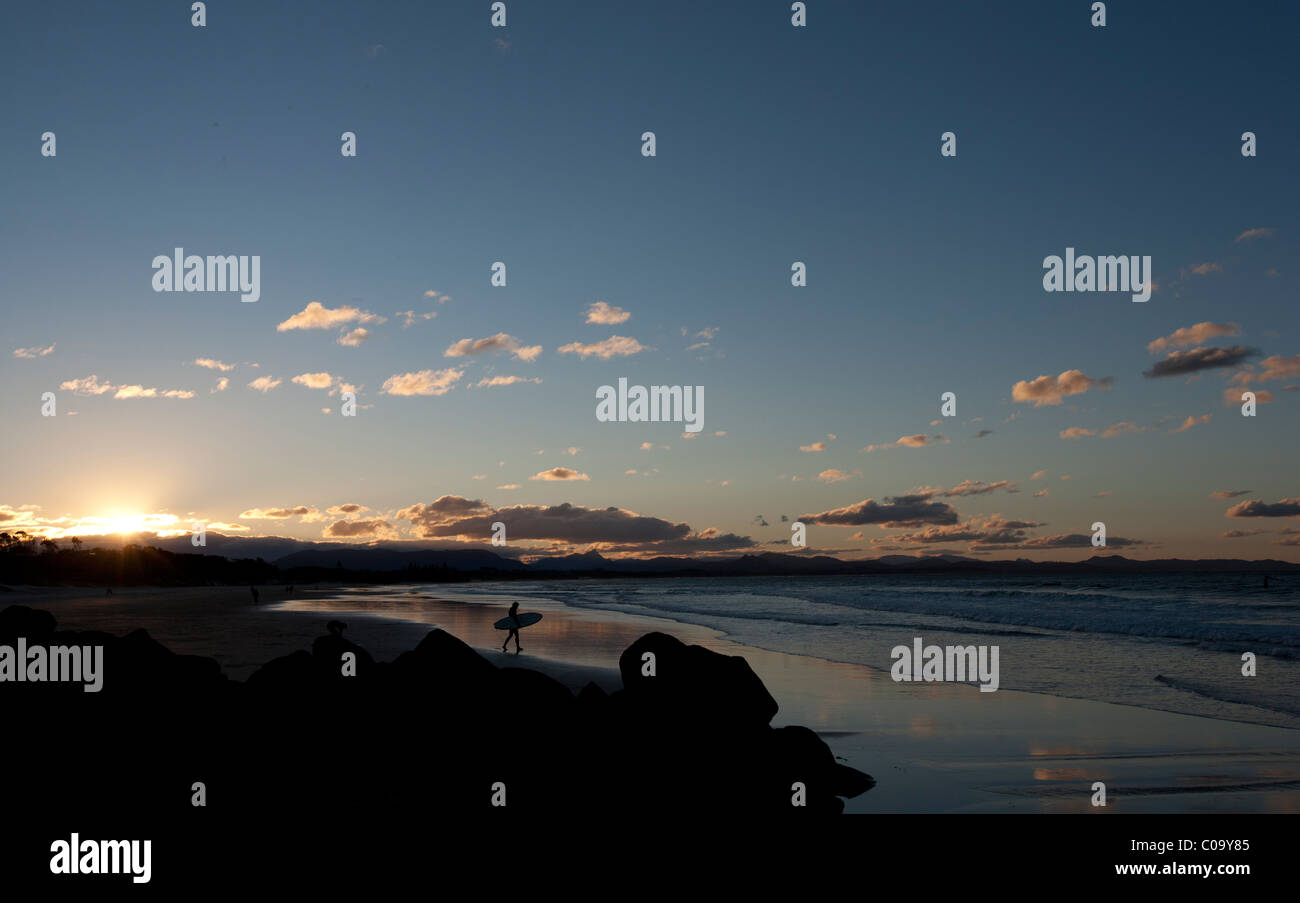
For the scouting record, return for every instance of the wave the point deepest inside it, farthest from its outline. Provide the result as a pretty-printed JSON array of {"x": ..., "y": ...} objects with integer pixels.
[{"x": 1235, "y": 696}]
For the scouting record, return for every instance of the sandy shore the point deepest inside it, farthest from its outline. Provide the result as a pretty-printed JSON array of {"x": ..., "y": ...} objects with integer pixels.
[{"x": 932, "y": 747}]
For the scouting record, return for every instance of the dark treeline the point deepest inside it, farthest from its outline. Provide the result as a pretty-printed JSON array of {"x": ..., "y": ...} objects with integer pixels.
[
  {"x": 25, "y": 560},
  {"x": 30, "y": 561}
]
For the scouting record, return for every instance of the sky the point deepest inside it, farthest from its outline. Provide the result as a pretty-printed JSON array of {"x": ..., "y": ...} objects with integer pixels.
[{"x": 774, "y": 144}]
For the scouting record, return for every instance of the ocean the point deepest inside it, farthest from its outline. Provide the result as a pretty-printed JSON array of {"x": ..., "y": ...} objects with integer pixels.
[{"x": 1160, "y": 641}]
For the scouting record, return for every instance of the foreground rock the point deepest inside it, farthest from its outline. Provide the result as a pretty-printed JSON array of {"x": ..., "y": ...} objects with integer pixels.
[{"x": 332, "y": 734}]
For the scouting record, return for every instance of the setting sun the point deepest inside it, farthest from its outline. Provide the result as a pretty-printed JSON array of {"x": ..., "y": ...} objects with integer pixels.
[{"x": 125, "y": 523}]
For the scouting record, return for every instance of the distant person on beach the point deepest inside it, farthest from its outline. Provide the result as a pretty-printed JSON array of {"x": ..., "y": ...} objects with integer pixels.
[
  {"x": 253, "y": 590},
  {"x": 514, "y": 631}
]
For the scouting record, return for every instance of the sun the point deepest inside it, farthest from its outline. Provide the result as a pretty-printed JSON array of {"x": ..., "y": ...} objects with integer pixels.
[{"x": 126, "y": 524}]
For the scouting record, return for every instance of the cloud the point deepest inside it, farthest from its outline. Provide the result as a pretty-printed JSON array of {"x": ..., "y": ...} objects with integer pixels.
[
  {"x": 818, "y": 446},
  {"x": 278, "y": 513},
  {"x": 1233, "y": 396},
  {"x": 565, "y": 523},
  {"x": 409, "y": 316},
  {"x": 977, "y": 487},
  {"x": 498, "y": 342},
  {"x": 348, "y": 508},
  {"x": 212, "y": 364},
  {"x": 433, "y": 295},
  {"x": 90, "y": 385},
  {"x": 506, "y": 380},
  {"x": 837, "y": 476},
  {"x": 353, "y": 338},
  {"x": 509, "y": 486},
  {"x": 142, "y": 392},
  {"x": 1204, "y": 269},
  {"x": 1049, "y": 390},
  {"x": 1180, "y": 363},
  {"x": 357, "y": 527},
  {"x": 1076, "y": 541},
  {"x": 1122, "y": 428},
  {"x": 1105, "y": 493},
  {"x": 442, "y": 510},
  {"x": 1278, "y": 367},
  {"x": 901, "y": 511},
  {"x": 916, "y": 441},
  {"x": 264, "y": 383},
  {"x": 1038, "y": 475},
  {"x": 1238, "y": 534},
  {"x": 1040, "y": 493},
  {"x": 982, "y": 433},
  {"x": 223, "y": 383},
  {"x": 614, "y": 346},
  {"x": 560, "y": 473},
  {"x": 1076, "y": 432},
  {"x": 34, "y": 352},
  {"x": 1230, "y": 493},
  {"x": 1256, "y": 508},
  {"x": 1191, "y": 422},
  {"x": 87, "y": 385},
  {"x": 1250, "y": 234},
  {"x": 1196, "y": 334},
  {"x": 996, "y": 531},
  {"x": 314, "y": 380},
  {"x": 317, "y": 316},
  {"x": 600, "y": 312},
  {"x": 422, "y": 382}
]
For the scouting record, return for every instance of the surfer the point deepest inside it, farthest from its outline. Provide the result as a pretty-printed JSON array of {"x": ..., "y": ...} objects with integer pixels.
[
  {"x": 253, "y": 590},
  {"x": 514, "y": 630}
]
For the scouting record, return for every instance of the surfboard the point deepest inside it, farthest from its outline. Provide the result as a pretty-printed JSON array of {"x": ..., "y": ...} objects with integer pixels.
[{"x": 526, "y": 618}]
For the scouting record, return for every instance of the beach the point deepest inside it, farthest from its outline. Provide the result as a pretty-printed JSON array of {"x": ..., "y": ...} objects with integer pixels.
[{"x": 933, "y": 747}]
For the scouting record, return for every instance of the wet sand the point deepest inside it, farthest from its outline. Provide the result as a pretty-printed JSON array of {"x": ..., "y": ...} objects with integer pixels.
[{"x": 931, "y": 747}]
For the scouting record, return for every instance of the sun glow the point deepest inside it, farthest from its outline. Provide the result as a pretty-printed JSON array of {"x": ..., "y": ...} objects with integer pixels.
[
  {"x": 125, "y": 523},
  {"x": 128, "y": 523}
]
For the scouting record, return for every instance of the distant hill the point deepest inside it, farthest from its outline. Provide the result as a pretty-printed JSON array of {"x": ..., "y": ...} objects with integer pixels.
[
  {"x": 237, "y": 559},
  {"x": 381, "y": 559}
]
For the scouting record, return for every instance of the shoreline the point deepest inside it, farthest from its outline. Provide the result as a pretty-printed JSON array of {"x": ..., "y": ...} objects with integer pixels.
[{"x": 932, "y": 747}]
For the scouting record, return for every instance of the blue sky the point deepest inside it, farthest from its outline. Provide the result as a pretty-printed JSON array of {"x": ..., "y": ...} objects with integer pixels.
[{"x": 775, "y": 144}]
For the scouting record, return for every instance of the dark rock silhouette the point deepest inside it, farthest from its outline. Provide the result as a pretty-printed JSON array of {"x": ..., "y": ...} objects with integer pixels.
[{"x": 431, "y": 732}]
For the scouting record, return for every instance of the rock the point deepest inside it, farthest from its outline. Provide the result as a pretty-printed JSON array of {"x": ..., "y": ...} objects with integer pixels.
[
  {"x": 19, "y": 620},
  {"x": 696, "y": 683}
]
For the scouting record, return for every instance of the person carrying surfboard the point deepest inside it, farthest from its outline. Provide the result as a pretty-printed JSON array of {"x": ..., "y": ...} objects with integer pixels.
[{"x": 514, "y": 629}]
